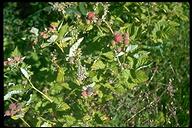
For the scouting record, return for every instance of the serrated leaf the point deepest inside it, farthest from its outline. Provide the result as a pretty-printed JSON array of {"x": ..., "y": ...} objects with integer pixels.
[
  {"x": 16, "y": 52},
  {"x": 82, "y": 8},
  {"x": 135, "y": 32},
  {"x": 130, "y": 61},
  {"x": 89, "y": 27},
  {"x": 34, "y": 56},
  {"x": 120, "y": 89},
  {"x": 109, "y": 55},
  {"x": 95, "y": 79},
  {"x": 131, "y": 85},
  {"x": 63, "y": 31},
  {"x": 98, "y": 65},
  {"x": 119, "y": 19},
  {"x": 66, "y": 85},
  {"x": 125, "y": 74},
  {"x": 140, "y": 77},
  {"x": 70, "y": 120},
  {"x": 173, "y": 23},
  {"x": 38, "y": 105},
  {"x": 109, "y": 86},
  {"x": 56, "y": 89},
  {"x": 60, "y": 75},
  {"x": 141, "y": 61},
  {"x": 108, "y": 97},
  {"x": 64, "y": 106}
]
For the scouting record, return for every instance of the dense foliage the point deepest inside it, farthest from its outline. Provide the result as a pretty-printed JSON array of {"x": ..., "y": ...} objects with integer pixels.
[{"x": 96, "y": 64}]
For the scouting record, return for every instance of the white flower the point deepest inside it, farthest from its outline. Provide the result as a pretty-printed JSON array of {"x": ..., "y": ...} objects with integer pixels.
[
  {"x": 34, "y": 31},
  {"x": 24, "y": 73},
  {"x": 9, "y": 94},
  {"x": 74, "y": 47},
  {"x": 52, "y": 39}
]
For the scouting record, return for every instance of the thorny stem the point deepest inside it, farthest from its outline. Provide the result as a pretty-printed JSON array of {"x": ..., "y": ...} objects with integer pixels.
[
  {"x": 39, "y": 91},
  {"x": 25, "y": 122}
]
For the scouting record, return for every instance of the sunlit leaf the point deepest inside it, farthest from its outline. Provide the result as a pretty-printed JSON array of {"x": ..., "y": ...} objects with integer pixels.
[{"x": 98, "y": 65}]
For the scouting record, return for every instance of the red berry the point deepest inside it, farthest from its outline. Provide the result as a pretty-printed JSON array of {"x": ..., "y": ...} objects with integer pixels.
[
  {"x": 118, "y": 38},
  {"x": 90, "y": 16}
]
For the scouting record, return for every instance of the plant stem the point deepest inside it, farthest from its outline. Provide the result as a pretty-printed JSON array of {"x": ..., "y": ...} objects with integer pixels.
[
  {"x": 109, "y": 27},
  {"x": 39, "y": 91},
  {"x": 147, "y": 106},
  {"x": 25, "y": 122},
  {"x": 14, "y": 99}
]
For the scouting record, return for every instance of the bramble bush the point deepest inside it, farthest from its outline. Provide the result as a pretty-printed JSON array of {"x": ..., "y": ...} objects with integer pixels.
[{"x": 79, "y": 63}]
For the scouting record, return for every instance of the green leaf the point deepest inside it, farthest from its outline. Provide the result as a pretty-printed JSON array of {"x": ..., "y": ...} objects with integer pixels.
[
  {"x": 120, "y": 89},
  {"x": 66, "y": 85},
  {"x": 82, "y": 8},
  {"x": 131, "y": 85},
  {"x": 173, "y": 23},
  {"x": 64, "y": 106},
  {"x": 130, "y": 61},
  {"x": 60, "y": 75},
  {"x": 140, "y": 77},
  {"x": 107, "y": 85},
  {"x": 16, "y": 52},
  {"x": 141, "y": 61},
  {"x": 38, "y": 105},
  {"x": 56, "y": 89},
  {"x": 109, "y": 55},
  {"x": 69, "y": 119},
  {"x": 125, "y": 74},
  {"x": 34, "y": 56},
  {"x": 61, "y": 105},
  {"x": 62, "y": 31},
  {"x": 108, "y": 97},
  {"x": 89, "y": 27},
  {"x": 99, "y": 9},
  {"x": 135, "y": 32},
  {"x": 98, "y": 65},
  {"x": 95, "y": 79},
  {"x": 119, "y": 19},
  {"x": 160, "y": 119}
]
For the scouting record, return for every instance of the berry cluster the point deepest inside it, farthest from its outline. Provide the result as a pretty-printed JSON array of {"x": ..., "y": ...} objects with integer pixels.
[{"x": 118, "y": 38}]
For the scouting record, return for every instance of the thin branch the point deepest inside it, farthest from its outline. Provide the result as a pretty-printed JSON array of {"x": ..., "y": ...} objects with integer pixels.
[
  {"x": 152, "y": 76},
  {"x": 25, "y": 122},
  {"x": 147, "y": 106}
]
